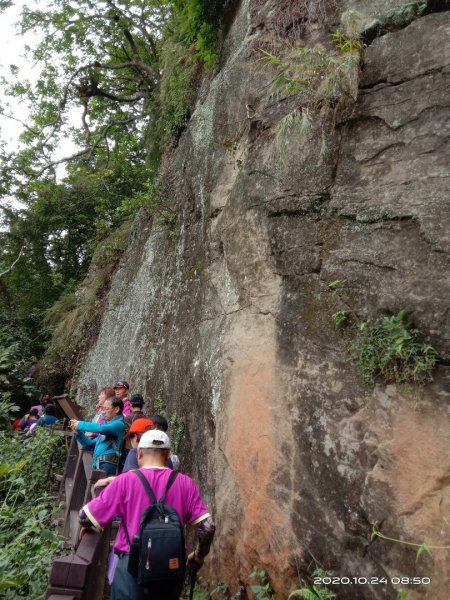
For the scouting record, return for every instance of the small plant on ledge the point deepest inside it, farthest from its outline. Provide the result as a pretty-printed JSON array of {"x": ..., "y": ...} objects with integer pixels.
[
  {"x": 262, "y": 589},
  {"x": 326, "y": 80},
  {"x": 393, "y": 350}
]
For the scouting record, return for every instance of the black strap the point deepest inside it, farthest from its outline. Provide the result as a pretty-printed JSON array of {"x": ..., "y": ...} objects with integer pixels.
[{"x": 148, "y": 487}]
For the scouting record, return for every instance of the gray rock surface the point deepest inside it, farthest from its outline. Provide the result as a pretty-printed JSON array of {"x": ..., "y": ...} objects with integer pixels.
[{"x": 229, "y": 321}]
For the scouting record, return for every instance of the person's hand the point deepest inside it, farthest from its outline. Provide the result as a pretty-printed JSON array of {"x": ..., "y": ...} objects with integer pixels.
[
  {"x": 195, "y": 560},
  {"x": 73, "y": 423},
  {"x": 102, "y": 482},
  {"x": 85, "y": 531}
]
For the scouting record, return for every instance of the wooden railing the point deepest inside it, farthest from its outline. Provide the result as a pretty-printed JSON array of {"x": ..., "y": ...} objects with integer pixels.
[{"x": 80, "y": 575}]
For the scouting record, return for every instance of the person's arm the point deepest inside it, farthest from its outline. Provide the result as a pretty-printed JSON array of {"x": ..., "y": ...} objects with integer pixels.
[
  {"x": 111, "y": 428},
  {"x": 87, "y": 443},
  {"x": 102, "y": 509},
  {"x": 199, "y": 517},
  {"x": 205, "y": 536},
  {"x": 104, "y": 482}
]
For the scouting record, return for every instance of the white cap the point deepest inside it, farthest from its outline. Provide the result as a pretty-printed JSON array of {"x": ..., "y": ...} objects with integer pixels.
[{"x": 155, "y": 439}]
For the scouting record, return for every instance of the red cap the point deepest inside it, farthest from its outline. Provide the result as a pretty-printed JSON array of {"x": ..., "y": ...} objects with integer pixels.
[{"x": 139, "y": 426}]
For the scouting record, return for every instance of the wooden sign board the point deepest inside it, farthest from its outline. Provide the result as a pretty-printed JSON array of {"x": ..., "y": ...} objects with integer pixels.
[{"x": 70, "y": 409}]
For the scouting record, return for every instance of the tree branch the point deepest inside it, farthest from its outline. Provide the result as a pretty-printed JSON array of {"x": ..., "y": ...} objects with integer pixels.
[
  {"x": 89, "y": 149},
  {"x": 8, "y": 116},
  {"x": 11, "y": 267}
]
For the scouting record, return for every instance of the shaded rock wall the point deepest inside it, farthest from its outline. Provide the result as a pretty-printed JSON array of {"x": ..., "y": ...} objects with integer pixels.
[{"x": 229, "y": 320}]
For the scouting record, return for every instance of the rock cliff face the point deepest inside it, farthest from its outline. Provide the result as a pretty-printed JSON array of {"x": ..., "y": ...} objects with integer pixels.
[{"x": 228, "y": 320}]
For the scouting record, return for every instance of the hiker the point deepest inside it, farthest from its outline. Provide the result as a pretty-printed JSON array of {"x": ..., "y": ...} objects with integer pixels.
[
  {"x": 138, "y": 427},
  {"x": 43, "y": 401},
  {"x": 31, "y": 372},
  {"x": 99, "y": 416},
  {"x": 106, "y": 392},
  {"x": 121, "y": 389},
  {"x": 162, "y": 424},
  {"x": 127, "y": 498},
  {"x": 107, "y": 446},
  {"x": 136, "y": 403},
  {"x": 49, "y": 418},
  {"x": 28, "y": 420}
]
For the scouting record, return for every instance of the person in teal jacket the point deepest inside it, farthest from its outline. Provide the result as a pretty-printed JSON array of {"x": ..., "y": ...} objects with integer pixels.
[{"x": 107, "y": 445}]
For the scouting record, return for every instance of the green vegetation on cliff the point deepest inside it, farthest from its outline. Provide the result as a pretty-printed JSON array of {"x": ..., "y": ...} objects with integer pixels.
[{"x": 394, "y": 350}]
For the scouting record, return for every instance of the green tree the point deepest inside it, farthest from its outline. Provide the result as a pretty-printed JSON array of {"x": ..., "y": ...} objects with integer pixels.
[
  {"x": 99, "y": 59},
  {"x": 123, "y": 69}
]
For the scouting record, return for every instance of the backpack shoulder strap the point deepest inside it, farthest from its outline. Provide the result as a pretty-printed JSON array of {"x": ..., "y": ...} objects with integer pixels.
[
  {"x": 150, "y": 493},
  {"x": 146, "y": 485},
  {"x": 171, "y": 479}
]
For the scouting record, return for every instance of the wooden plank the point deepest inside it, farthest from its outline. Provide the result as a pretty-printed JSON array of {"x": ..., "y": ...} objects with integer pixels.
[
  {"x": 95, "y": 545},
  {"x": 77, "y": 492},
  {"x": 69, "y": 467},
  {"x": 74, "y": 527},
  {"x": 70, "y": 409},
  {"x": 70, "y": 571}
]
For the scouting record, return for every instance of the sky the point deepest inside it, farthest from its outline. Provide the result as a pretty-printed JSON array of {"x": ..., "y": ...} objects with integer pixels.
[{"x": 12, "y": 52}]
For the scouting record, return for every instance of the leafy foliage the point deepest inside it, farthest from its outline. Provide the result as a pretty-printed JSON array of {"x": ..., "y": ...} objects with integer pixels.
[
  {"x": 56, "y": 229},
  {"x": 172, "y": 104},
  {"x": 211, "y": 590},
  {"x": 393, "y": 350},
  {"x": 419, "y": 548},
  {"x": 159, "y": 405},
  {"x": 347, "y": 44},
  {"x": 314, "y": 592},
  {"x": 27, "y": 536},
  {"x": 16, "y": 356},
  {"x": 6, "y": 411},
  {"x": 321, "y": 76},
  {"x": 106, "y": 61},
  {"x": 262, "y": 589},
  {"x": 339, "y": 317},
  {"x": 336, "y": 284},
  {"x": 198, "y": 22},
  {"x": 97, "y": 58},
  {"x": 178, "y": 427}
]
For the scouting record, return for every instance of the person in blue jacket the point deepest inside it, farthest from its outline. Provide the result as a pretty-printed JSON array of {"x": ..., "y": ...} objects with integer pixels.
[
  {"x": 107, "y": 445},
  {"x": 48, "y": 418}
]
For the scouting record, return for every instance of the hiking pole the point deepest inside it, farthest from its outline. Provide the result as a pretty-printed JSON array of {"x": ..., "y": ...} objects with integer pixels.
[{"x": 194, "y": 569}]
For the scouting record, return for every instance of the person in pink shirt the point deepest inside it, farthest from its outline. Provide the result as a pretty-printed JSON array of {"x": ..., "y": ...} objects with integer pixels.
[
  {"x": 104, "y": 393},
  {"x": 121, "y": 390},
  {"x": 99, "y": 417},
  {"x": 125, "y": 497}
]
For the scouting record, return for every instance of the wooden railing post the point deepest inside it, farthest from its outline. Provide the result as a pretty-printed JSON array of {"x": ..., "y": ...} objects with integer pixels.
[{"x": 80, "y": 576}]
